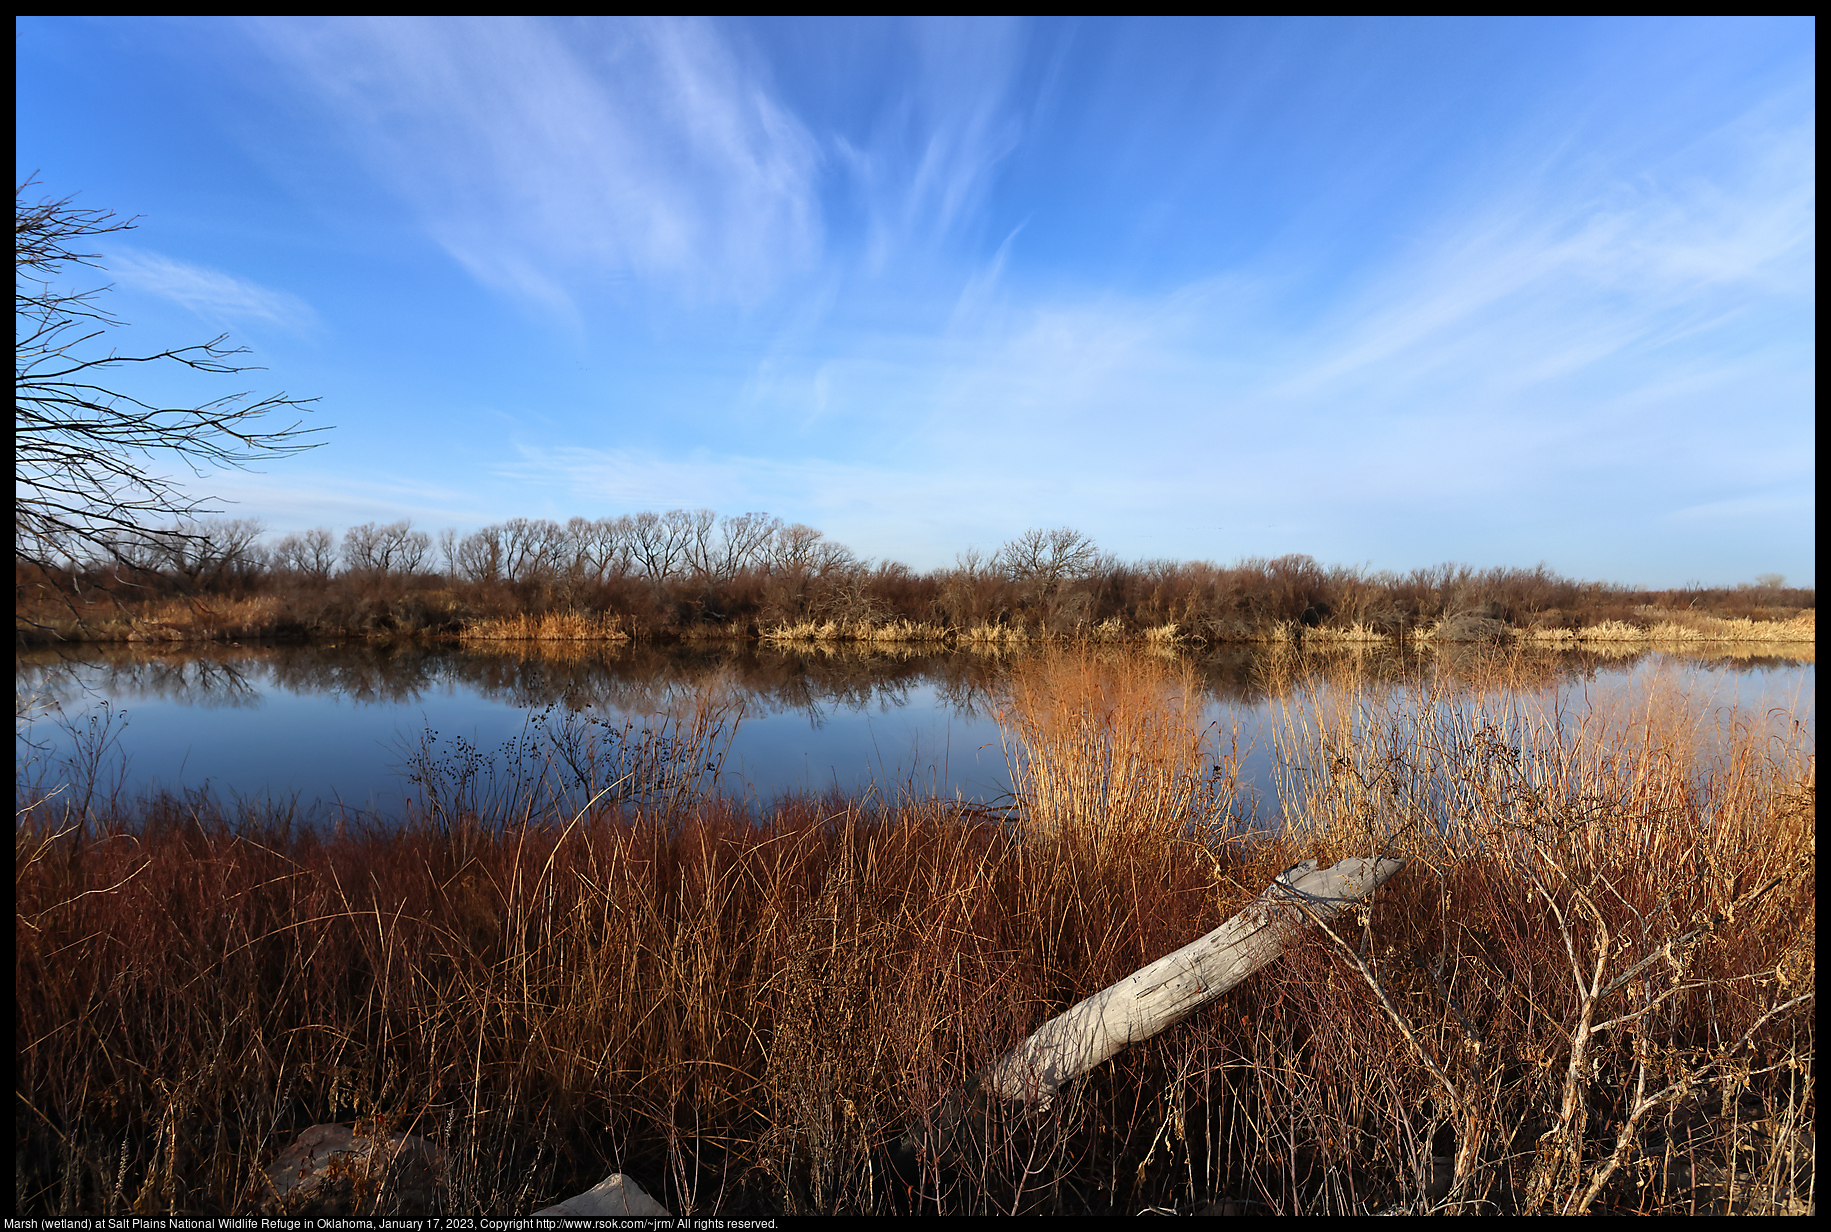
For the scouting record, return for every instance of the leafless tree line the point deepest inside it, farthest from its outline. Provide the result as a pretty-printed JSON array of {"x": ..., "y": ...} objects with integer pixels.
[
  {"x": 660, "y": 548},
  {"x": 689, "y": 565},
  {"x": 805, "y": 573},
  {"x": 666, "y": 547}
]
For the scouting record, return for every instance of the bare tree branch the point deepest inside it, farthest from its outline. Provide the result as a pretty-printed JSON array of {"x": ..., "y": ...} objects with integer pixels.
[{"x": 86, "y": 455}]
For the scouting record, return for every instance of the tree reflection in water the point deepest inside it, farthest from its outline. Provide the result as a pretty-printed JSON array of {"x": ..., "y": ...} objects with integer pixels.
[{"x": 587, "y": 716}]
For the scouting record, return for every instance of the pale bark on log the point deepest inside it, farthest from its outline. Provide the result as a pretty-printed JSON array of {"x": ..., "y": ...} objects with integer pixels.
[{"x": 1158, "y": 996}]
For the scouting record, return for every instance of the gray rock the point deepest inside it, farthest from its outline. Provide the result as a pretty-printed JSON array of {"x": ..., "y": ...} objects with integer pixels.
[
  {"x": 616, "y": 1194},
  {"x": 331, "y": 1171}
]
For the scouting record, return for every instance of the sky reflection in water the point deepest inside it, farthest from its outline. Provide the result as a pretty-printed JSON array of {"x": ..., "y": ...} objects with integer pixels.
[{"x": 331, "y": 725}]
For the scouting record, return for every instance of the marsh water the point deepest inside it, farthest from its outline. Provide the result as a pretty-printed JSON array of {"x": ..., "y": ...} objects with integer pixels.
[{"x": 339, "y": 727}]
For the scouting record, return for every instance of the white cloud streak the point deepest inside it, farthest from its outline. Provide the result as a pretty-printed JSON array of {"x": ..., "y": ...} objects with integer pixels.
[
  {"x": 925, "y": 170},
  {"x": 1574, "y": 347},
  {"x": 209, "y": 293},
  {"x": 546, "y": 157},
  {"x": 552, "y": 157}
]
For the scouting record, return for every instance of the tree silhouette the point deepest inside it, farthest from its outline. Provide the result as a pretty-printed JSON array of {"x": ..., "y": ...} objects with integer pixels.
[{"x": 86, "y": 455}]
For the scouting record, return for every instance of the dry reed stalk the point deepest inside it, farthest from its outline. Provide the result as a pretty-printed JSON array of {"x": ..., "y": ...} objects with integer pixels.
[
  {"x": 1354, "y": 633},
  {"x": 1597, "y": 816},
  {"x": 896, "y": 632},
  {"x": 179, "y": 620},
  {"x": 1106, "y": 751},
  {"x": 1109, "y": 630},
  {"x": 802, "y": 631},
  {"x": 1802, "y": 628},
  {"x": 994, "y": 635},
  {"x": 548, "y": 627},
  {"x": 907, "y": 631}
]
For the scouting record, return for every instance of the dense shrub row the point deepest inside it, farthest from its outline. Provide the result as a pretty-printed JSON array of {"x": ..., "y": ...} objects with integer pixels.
[{"x": 687, "y": 572}]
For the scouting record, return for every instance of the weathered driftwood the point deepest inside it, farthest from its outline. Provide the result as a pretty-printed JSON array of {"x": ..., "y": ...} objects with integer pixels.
[{"x": 1158, "y": 996}]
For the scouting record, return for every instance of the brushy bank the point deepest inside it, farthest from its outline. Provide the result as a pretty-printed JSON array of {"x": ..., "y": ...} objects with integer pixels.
[
  {"x": 689, "y": 576},
  {"x": 1590, "y": 989}
]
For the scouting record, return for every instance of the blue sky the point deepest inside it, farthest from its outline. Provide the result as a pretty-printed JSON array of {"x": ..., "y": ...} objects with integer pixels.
[{"x": 1386, "y": 292}]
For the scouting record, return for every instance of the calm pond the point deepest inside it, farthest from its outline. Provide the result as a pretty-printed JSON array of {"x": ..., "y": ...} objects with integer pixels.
[{"x": 337, "y": 726}]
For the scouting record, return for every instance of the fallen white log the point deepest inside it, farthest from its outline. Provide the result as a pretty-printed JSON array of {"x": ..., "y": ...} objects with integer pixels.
[{"x": 1158, "y": 996}]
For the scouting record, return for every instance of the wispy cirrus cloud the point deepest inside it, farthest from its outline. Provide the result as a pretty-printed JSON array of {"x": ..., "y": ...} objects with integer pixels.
[
  {"x": 548, "y": 156},
  {"x": 1571, "y": 273},
  {"x": 210, "y": 293},
  {"x": 944, "y": 121},
  {"x": 1561, "y": 344}
]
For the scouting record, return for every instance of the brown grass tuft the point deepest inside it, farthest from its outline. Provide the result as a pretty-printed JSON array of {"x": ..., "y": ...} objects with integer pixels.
[
  {"x": 1107, "y": 750},
  {"x": 548, "y": 627}
]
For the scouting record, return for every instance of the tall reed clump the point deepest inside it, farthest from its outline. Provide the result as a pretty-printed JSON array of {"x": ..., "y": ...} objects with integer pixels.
[
  {"x": 1599, "y": 982},
  {"x": 200, "y": 618},
  {"x": 1109, "y": 750}
]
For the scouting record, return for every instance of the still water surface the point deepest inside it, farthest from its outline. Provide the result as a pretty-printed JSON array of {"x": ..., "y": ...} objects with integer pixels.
[{"x": 330, "y": 726}]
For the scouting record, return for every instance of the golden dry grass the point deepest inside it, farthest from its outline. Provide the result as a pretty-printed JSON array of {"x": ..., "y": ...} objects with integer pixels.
[
  {"x": 1353, "y": 633},
  {"x": 1109, "y": 630},
  {"x": 894, "y": 632},
  {"x": 548, "y": 627},
  {"x": 1685, "y": 628},
  {"x": 1108, "y": 750},
  {"x": 1163, "y": 635},
  {"x": 995, "y": 635},
  {"x": 204, "y": 618}
]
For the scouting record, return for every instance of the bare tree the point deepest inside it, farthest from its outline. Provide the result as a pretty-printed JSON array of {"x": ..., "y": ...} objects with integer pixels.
[
  {"x": 86, "y": 455},
  {"x": 604, "y": 546},
  {"x": 311, "y": 554},
  {"x": 204, "y": 554},
  {"x": 743, "y": 542},
  {"x": 662, "y": 542},
  {"x": 793, "y": 549},
  {"x": 836, "y": 558},
  {"x": 480, "y": 555},
  {"x": 1044, "y": 562},
  {"x": 413, "y": 550},
  {"x": 961, "y": 586},
  {"x": 448, "y": 548},
  {"x": 394, "y": 548},
  {"x": 696, "y": 529},
  {"x": 534, "y": 549},
  {"x": 1048, "y": 557}
]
